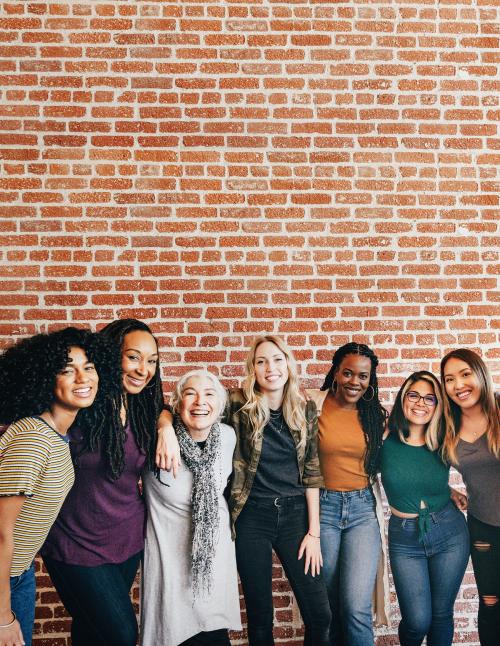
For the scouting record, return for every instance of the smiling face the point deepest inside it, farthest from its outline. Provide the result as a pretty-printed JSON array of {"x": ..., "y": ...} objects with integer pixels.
[
  {"x": 76, "y": 384},
  {"x": 271, "y": 368},
  {"x": 200, "y": 405},
  {"x": 139, "y": 360},
  {"x": 419, "y": 403},
  {"x": 353, "y": 379},
  {"x": 461, "y": 383}
]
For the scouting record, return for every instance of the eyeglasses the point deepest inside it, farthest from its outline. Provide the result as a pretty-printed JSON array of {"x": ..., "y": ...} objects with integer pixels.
[{"x": 414, "y": 397}]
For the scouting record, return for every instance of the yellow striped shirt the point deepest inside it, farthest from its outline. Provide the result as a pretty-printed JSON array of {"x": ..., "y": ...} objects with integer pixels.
[{"x": 35, "y": 462}]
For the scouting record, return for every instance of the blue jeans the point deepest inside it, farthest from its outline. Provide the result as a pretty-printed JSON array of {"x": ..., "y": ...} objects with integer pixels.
[
  {"x": 351, "y": 546},
  {"x": 278, "y": 524},
  {"x": 98, "y": 599},
  {"x": 22, "y": 601},
  {"x": 427, "y": 574}
]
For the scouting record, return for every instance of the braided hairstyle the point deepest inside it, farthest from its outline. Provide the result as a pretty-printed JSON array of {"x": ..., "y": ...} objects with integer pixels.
[
  {"x": 143, "y": 409},
  {"x": 371, "y": 414},
  {"x": 29, "y": 368}
]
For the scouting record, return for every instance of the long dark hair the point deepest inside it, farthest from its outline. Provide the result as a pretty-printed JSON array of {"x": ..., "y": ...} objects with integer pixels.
[
  {"x": 143, "y": 409},
  {"x": 29, "y": 368},
  {"x": 490, "y": 405},
  {"x": 372, "y": 415}
]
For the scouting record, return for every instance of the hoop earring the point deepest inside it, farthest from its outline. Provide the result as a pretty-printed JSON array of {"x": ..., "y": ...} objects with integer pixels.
[
  {"x": 334, "y": 386},
  {"x": 373, "y": 394}
]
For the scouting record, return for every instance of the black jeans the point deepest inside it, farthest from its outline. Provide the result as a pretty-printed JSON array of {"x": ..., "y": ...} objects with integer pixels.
[
  {"x": 209, "y": 638},
  {"x": 98, "y": 599},
  {"x": 485, "y": 552},
  {"x": 278, "y": 524}
]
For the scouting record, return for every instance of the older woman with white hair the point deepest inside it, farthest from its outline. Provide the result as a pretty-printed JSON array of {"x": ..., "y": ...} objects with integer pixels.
[{"x": 190, "y": 588}]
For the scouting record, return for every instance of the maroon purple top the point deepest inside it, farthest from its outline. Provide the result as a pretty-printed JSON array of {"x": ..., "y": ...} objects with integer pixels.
[{"x": 101, "y": 520}]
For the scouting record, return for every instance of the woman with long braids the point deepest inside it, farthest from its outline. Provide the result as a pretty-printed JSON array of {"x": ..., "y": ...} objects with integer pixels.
[
  {"x": 472, "y": 446},
  {"x": 46, "y": 382},
  {"x": 274, "y": 501},
  {"x": 93, "y": 551},
  {"x": 351, "y": 426}
]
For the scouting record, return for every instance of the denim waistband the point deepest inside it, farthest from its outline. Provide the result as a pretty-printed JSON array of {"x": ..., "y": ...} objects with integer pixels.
[
  {"x": 279, "y": 501},
  {"x": 355, "y": 493},
  {"x": 424, "y": 519}
]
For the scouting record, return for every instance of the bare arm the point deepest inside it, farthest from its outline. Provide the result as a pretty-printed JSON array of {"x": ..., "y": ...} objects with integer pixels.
[
  {"x": 310, "y": 546},
  {"x": 167, "y": 447},
  {"x": 10, "y": 507},
  {"x": 459, "y": 499}
]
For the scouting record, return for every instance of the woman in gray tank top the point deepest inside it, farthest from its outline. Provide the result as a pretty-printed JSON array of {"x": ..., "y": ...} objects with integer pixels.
[{"x": 472, "y": 445}]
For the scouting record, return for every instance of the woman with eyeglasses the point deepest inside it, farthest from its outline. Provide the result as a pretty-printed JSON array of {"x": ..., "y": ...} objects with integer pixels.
[
  {"x": 428, "y": 538},
  {"x": 190, "y": 586},
  {"x": 472, "y": 445}
]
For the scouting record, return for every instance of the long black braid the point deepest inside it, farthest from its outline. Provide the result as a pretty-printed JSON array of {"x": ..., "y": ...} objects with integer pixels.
[
  {"x": 108, "y": 434},
  {"x": 372, "y": 415}
]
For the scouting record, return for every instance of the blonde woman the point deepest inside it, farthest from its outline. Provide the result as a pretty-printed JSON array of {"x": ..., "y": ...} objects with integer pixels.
[
  {"x": 428, "y": 538},
  {"x": 472, "y": 445},
  {"x": 274, "y": 501}
]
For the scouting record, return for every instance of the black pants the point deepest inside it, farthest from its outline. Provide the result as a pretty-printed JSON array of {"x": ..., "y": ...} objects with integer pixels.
[
  {"x": 281, "y": 525},
  {"x": 98, "y": 599},
  {"x": 209, "y": 638},
  {"x": 485, "y": 552}
]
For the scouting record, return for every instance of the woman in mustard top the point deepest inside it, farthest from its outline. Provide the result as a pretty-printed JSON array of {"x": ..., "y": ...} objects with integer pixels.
[{"x": 351, "y": 425}]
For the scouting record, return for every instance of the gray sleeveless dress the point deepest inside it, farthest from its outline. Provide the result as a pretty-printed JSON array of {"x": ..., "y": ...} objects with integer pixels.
[{"x": 169, "y": 615}]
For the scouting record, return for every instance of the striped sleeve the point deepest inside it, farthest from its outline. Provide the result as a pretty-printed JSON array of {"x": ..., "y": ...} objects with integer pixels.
[{"x": 24, "y": 453}]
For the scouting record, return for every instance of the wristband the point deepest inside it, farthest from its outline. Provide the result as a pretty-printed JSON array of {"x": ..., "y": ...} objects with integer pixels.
[
  {"x": 11, "y": 623},
  {"x": 309, "y": 533}
]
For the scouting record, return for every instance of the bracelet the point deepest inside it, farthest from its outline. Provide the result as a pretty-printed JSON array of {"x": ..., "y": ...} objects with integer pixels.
[
  {"x": 309, "y": 533},
  {"x": 11, "y": 623}
]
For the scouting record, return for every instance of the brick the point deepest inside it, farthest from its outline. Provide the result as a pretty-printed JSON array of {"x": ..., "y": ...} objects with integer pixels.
[{"x": 322, "y": 171}]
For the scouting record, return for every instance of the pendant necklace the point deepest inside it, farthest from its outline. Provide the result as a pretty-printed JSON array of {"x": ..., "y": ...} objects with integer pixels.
[{"x": 274, "y": 417}]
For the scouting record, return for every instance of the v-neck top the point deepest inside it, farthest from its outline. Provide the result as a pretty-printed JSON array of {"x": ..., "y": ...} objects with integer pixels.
[{"x": 480, "y": 471}]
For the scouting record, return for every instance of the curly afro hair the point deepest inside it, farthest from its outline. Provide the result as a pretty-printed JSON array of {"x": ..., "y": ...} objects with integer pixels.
[
  {"x": 28, "y": 371},
  {"x": 143, "y": 409}
]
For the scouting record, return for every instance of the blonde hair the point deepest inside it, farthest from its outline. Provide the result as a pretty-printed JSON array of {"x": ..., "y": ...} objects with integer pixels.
[
  {"x": 293, "y": 403},
  {"x": 398, "y": 422},
  {"x": 488, "y": 402}
]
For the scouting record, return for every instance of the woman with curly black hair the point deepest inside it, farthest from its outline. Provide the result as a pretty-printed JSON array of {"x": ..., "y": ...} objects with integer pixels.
[
  {"x": 351, "y": 426},
  {"x": 46, "y": 382},
  {"x": 93, "y": 551}
]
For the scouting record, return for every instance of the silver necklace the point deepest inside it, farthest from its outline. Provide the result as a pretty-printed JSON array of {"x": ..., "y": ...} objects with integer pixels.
[{"x": 274, "y": 417}]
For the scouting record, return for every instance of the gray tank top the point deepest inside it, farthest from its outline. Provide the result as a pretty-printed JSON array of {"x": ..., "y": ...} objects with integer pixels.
[{"x": 481, "y": 473}]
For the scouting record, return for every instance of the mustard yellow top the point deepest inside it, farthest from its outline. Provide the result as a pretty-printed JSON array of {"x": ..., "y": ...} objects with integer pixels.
[{"x": 341, "y": 447}]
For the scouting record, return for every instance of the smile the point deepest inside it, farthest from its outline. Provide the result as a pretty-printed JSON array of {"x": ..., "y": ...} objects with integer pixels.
[
  {"x": 135, "y": 381},
  {"x": 83, "y": 392},
  {"x": 463, "y": 394}
]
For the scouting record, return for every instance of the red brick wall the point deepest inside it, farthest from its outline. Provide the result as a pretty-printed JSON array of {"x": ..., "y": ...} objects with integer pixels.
[{"x": 323, "y": 170}]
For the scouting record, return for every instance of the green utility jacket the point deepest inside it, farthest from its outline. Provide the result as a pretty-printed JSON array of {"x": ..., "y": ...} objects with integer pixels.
[{"x": 247, "y": 455}]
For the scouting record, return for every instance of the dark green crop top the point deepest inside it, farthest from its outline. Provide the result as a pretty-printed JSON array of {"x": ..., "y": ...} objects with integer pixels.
[{"x": 411, "y": 474}]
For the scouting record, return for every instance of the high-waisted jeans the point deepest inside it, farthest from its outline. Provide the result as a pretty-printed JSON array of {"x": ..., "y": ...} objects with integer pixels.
[
  {"x": 278, "y": 524},
  {"x": 428, "y": 573},
  {"x": 351, "y": 547}
]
